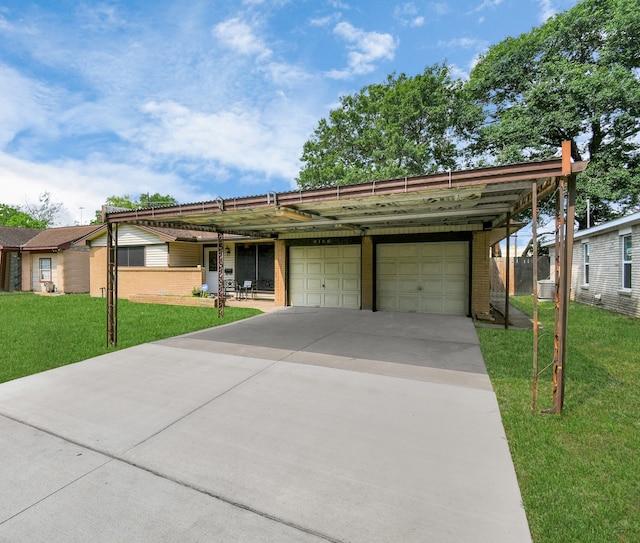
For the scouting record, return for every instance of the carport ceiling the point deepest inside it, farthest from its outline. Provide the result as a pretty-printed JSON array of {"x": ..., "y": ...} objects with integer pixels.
[{"x": 479, "y": 198}]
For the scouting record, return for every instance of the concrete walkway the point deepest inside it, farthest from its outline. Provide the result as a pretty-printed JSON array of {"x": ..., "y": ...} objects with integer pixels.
[{"x": 301, "y": 425}]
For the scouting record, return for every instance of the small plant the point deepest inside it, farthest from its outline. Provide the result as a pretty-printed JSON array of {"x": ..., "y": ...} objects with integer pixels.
[{"x": 196, "y": 291}]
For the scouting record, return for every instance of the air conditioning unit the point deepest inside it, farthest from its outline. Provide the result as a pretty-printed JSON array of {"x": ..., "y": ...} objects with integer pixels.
[{"x": 546, "y": 289}]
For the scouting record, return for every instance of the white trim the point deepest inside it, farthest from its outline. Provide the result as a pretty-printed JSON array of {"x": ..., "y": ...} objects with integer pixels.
[{"x": 625, "y": 231}]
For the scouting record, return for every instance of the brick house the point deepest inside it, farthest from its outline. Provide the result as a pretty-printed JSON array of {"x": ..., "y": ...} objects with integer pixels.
[
  {"x": 159, "y": 260},
  {"x": 605, "y": 265},
  {"x": 56, "y": 258},
  {"x": 11, "y": 240}
]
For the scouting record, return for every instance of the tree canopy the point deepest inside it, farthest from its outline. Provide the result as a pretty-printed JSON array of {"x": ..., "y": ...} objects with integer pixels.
[
  {"x": 40, "y": 215},
  {"x": 573, "y": 78},
  {"x": 144, "y": 201},
  {"x": 405, "y": 126},
  {"x": 576, "y": 77},
  {"x": 12, "y": 216}
]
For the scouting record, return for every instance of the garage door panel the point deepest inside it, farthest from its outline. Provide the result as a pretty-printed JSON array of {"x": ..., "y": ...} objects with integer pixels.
[
  {"x": 429, "y": 277},
  {"x": 350, "y": 285},
  {"x": 325, "y": 276},
  {"x": 408, "y": 268}
]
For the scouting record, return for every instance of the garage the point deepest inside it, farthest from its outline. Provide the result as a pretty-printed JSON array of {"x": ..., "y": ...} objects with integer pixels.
[
  {"x": 325, "y": 276},
  {"x": 426, "y": 277}
]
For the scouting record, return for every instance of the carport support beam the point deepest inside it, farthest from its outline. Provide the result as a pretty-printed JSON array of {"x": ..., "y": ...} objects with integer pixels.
[
  {"x": 507, "y": 278},
  {"x": 221, "y": 291},
  {"x": 112, "y": 285}
]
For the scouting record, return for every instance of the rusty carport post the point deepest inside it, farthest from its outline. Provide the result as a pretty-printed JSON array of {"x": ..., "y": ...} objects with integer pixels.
[
  {"x": 507, "y": 276},
  {"x": 534, "y": 236},
  {"x": 564, "y": 261},
  {"x": 221, "y": 287},
  {"x": 112, "y": 285}
]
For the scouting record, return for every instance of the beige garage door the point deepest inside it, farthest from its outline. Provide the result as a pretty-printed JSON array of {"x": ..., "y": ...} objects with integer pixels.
[
  {"x": 423, "y": 277},
  {"x": 325, "y": 276}
]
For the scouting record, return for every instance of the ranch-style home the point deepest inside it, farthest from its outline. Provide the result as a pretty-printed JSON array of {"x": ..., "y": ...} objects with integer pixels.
[
  {"x": 605, "y": 267},
  {"x": 410, "y": 244},
  {"x": 171, "y": 261},
  {"x": 57, "y": 260}
]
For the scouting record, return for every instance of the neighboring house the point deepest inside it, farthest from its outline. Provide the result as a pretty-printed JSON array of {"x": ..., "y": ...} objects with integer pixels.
[
  {"x": 606, "y": 265},
  {"x": 11, "y": 239},
  {"x": 54, "y": 260},
  {"x": 156, "y": 260}
]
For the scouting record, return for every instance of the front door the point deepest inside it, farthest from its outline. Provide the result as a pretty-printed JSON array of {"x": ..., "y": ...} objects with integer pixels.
[{"x": 211, "y": 268}]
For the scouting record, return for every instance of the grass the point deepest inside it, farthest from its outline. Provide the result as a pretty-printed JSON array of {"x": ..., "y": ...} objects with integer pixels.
[
  {"x": 43, "y": 332},
  {"x": 579, "y": 473}
]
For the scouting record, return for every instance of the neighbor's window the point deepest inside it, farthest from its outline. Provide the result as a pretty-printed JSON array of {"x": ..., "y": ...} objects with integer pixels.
[
  {"x": 45, "y": 269},
  {"x": 131, "y": 256},
  {"x": 626, "y": 262},
  {"x": 586, "y": 263}
]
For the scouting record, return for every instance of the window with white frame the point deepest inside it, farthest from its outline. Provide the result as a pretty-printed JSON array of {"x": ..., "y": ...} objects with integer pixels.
[
  {"x": 626, "y": 261},
  {"x": 586, "y": 249},
  {"x": 45, "y": 269}
]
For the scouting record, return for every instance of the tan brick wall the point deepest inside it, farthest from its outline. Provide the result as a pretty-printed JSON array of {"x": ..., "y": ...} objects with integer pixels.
[
  {"x": 481, "y": 274},
  {"x": 134, "y": 280},
  {"x": 192, "y": 301},
  {"x": 73, "y": 271},
  {"x": 279, "y": 273},
  {"x": 368, "y": 265},
  {"x": 98, "y": 270}
]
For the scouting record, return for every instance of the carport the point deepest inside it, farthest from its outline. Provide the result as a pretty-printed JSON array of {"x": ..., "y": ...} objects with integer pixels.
[{"x": 419, "y": 244}]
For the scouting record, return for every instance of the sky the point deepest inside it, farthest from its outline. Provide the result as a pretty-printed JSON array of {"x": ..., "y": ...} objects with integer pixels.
[{"x": 206, "y": 99}]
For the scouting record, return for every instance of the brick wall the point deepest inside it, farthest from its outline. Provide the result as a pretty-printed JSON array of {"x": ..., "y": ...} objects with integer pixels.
[
  {"x": 368, "y": 266},
  {"x": 279, "y": 273},
  {"x": 481, "y": 276},
  {"x": 73, "y": 270},
  {"x": 140, "y": 280}
]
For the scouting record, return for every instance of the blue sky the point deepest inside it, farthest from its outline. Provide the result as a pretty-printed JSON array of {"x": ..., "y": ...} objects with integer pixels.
[{"x": 200, "y": 99}]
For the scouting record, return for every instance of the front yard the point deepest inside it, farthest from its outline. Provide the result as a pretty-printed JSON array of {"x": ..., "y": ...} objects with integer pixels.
[
  {"x": 43, "y": 332},
  {"x": 579, "y": 473}
]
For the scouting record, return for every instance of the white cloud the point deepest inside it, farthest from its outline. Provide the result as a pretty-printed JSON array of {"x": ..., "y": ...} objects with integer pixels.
[
  {"x": 546, "y": 10},
  {"x": 325, "y": 21},
  {"x": 366, "y": 49},
  {"x": 440, "y": 8},
  {"x": 486, "y": 4},
  {"x": 464, "y": 43},
  {"x": 408, "y": 15},
  {"x": 239, "y": 36},
  {"x": 83, "y": 184},
  {"x": 244, "y": 137}
]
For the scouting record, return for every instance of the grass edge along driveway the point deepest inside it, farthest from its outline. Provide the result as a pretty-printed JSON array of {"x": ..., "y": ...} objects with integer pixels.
[
  {"x": 38, "y": 333},
  {"x": 579, "y": 473}
]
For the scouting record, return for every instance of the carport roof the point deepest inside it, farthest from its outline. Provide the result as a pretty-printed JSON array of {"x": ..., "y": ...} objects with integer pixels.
[{"x": 472, "y": 199}]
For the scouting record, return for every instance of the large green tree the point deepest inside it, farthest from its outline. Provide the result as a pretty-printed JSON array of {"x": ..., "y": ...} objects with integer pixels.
[
  {"x": 144, "y": 201},
  {"x": 404, "y": 126},
  {"x": 576, "y": 78},
  {"x": 13, "y": 216}
]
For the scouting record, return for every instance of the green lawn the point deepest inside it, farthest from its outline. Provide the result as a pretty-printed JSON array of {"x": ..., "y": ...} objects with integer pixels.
[
  {"x": 579, "y": 473},
  {"x": 38, "y": 333}
]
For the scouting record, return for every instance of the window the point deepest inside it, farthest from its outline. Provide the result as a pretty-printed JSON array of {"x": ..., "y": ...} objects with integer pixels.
[
  {"x": 626, "y": 261},
  {"x": 586, "y": 263},
  {"x": 45, "y": 269},
  {"x": 130, "y": 256}
]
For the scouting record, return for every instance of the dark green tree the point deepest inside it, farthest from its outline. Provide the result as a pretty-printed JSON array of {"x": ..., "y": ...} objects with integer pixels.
[
  {"x": 13, "y": 216},
  {"x": 144, "y": 201},
  {"x": 405, "y": 126},
  {"x": 573, "y": 78}
]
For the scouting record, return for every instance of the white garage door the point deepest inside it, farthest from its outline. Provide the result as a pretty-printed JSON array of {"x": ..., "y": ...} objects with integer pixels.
[
  {"x": 423, "y": 277},
  {"x": 326, "y": 276}
]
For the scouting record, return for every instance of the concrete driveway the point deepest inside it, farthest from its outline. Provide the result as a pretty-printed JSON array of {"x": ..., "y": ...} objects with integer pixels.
[{"x": 302, "y": 425}]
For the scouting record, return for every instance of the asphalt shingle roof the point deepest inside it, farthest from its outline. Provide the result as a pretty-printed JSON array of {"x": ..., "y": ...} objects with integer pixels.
[
  {"x": 15, "y": 236},
  {"x": 57, "y": 238}
]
